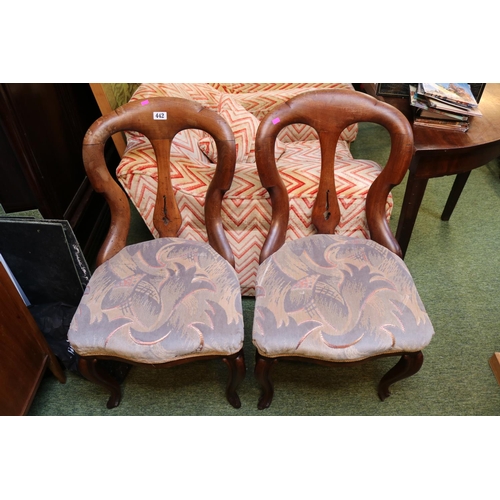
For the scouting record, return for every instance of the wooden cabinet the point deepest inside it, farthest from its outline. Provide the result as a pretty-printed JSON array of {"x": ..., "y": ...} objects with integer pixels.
[
  {"x": 42, "y": 126},
  {"x": 24, "y": 352}
]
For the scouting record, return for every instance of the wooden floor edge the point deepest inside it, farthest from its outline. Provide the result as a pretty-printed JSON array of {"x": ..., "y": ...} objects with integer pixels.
[{"x": 495, "y": 365}]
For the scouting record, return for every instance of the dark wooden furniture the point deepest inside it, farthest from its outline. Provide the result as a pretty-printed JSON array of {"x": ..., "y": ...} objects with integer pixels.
[
  {"x": 319, "y": 290},
  {"x": 438, "y": 153},
  {"x": 159, "y": 120},
  {"x": 24, "y": 352},
  {"x": 494, "y": 362},
  {"x": 42, "y": 126}
]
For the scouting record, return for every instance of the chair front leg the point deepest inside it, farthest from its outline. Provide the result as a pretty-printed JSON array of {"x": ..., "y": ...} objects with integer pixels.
[
  {"x": 237, "y": 370},
  {"x": 91, "y": 370},
  {"x": 262, "y": 373},
  {"x": 408, "y": 365}
]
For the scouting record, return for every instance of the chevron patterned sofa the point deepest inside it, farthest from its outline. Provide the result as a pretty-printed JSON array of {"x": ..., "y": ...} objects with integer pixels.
[{"x": 246, "y": 207}]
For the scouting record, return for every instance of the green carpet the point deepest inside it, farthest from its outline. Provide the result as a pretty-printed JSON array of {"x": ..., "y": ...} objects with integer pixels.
[{"x": 455, "y": 265}]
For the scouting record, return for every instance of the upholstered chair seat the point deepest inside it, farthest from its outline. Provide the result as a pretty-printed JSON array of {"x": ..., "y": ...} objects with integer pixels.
[
  {"x": 332, "y": 301},
  {"x": 159, "y": 301}
]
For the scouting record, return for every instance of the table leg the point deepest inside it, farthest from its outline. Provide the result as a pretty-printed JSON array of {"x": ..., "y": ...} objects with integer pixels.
[
  {"x": 455, "y": 193},
  {"x": 415, "y": 189}
]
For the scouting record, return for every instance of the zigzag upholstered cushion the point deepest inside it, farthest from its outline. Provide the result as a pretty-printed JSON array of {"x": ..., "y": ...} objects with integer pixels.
[
  {"x": 244, "y": 126},
  {"x": 160, "y": 300}
]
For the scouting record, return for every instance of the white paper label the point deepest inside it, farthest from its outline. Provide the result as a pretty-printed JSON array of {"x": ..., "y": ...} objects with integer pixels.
[{"x": 160, "y": 115}]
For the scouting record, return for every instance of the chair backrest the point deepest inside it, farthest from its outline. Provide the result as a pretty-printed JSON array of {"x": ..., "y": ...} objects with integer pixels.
[
  {"x": 329, "y": 112},
  {"x": 160, "y": 119}
]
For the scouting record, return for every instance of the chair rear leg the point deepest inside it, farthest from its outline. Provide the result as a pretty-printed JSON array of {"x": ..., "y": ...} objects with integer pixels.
[
  {"x": 408, "y": 365},
  {"x": 91, "y": 370},
  {"x": 262, "y": 373},
  {"x": 237, "y": 370}
]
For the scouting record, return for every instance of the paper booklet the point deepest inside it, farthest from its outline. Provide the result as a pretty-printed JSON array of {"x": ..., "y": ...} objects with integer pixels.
[{"x": 458, "y": 94}]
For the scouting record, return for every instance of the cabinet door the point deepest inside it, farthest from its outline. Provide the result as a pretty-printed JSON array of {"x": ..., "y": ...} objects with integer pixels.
[
  {"x": 24, "y": 353},
  {"x": 15, "y": 194}
]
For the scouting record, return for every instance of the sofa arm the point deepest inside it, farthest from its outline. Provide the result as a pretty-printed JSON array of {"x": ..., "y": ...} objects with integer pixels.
[{"x": 259, "y": 99}]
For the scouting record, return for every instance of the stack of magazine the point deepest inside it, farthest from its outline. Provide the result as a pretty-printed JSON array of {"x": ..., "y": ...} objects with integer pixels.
[{"x": 443, "y": 105}]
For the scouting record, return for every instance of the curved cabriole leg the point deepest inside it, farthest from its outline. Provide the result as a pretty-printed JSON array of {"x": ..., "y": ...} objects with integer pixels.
[
  {"x": 237, "y": 370},
  {"x": 408, "y": 365},
  {"x": 90, "y": 369},
  {"x": 262, "y": 373}
]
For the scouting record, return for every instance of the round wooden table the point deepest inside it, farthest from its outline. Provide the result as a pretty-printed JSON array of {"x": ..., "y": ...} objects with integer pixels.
[{"x": 445, "y": 152}]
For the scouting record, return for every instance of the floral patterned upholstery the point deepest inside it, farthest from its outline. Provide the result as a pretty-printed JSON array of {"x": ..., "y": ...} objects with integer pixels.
[
  {"x": 326, "y": 296},
  {"x": 158, "y": 301}
]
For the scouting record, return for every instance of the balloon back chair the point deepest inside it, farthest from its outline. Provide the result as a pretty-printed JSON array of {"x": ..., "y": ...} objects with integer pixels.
[
  {"x": 165, "y": 301},
  {"x": 326, "y": 298}
]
